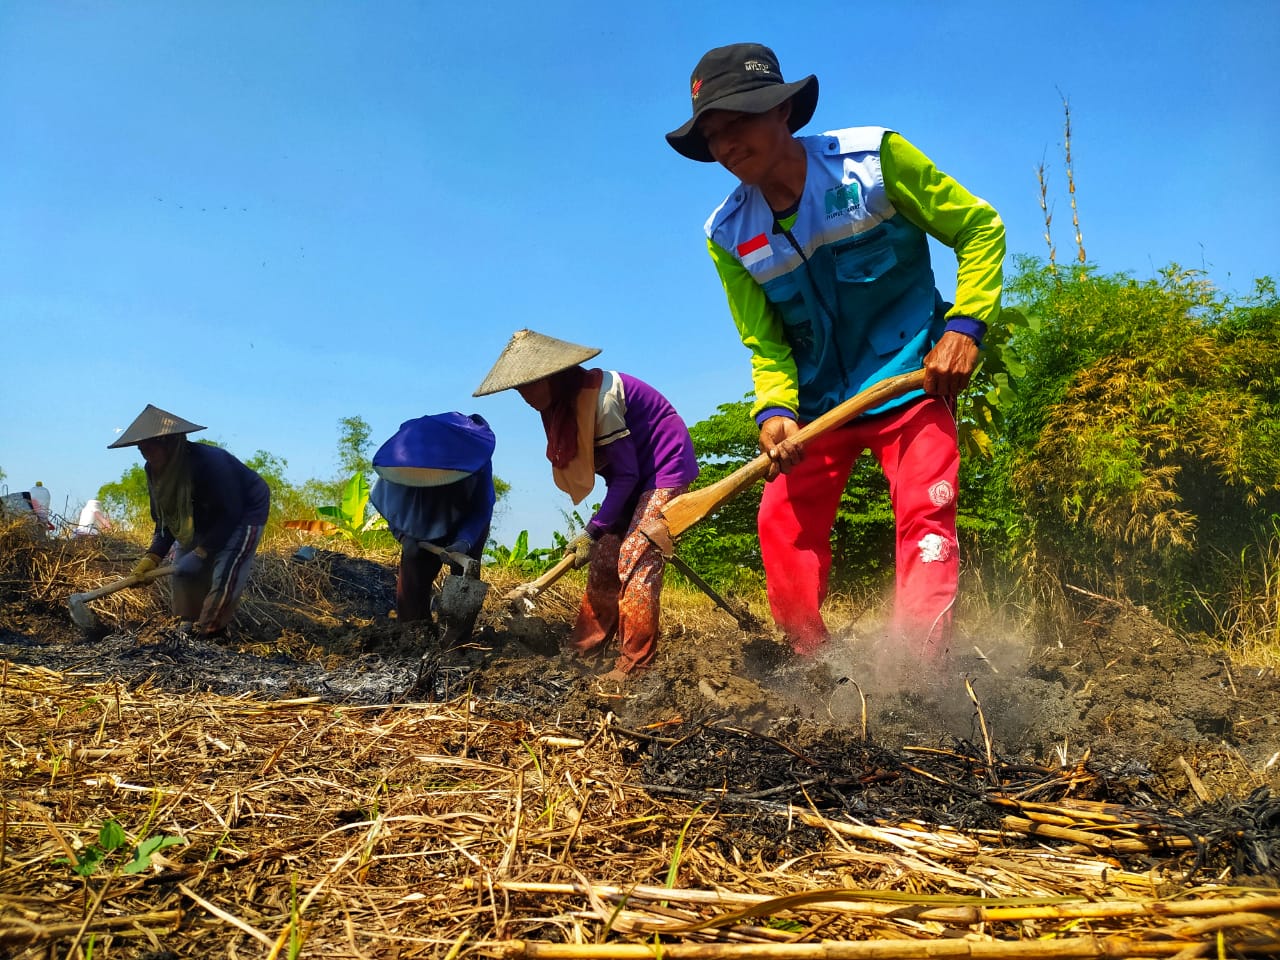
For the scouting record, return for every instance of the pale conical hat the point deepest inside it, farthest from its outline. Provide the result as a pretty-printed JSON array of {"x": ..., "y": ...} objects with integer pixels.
[
  {"x": 153, "y": 422},
  {"x": 530, "y": 356}
]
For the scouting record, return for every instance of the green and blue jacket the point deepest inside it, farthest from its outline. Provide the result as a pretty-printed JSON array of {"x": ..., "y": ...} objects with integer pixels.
[{"x": 838, "y": 292}]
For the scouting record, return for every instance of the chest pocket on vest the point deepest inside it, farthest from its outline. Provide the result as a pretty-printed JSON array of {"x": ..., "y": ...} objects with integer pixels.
[
  {"x": 785, "y": 294},
  {"x": 864, "y": 258},
  {"x": 870, "y": 280}
]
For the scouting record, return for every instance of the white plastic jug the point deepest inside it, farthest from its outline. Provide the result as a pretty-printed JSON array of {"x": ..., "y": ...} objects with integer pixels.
[{"x": 40, "y": 500}]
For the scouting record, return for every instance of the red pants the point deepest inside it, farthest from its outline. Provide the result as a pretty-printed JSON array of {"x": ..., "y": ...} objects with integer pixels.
[
  {"x": 916, "y": 447},
  {"x": 624, "y": 589}
]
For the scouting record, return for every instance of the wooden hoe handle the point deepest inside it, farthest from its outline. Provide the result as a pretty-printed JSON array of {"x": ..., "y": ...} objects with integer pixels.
[
  {"x": 527, "y": 591},
  {"x": 687, "y": 509},
  {"x": 124, "y": 583},
  {"x": 470, "y": 565}
]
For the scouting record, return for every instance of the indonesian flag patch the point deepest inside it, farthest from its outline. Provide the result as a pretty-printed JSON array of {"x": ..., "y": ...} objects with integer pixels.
[{"x": 754, "y": 250}]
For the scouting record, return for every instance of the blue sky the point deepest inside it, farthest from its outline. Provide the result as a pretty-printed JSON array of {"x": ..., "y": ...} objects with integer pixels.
[{"x": 267, "y": 216}]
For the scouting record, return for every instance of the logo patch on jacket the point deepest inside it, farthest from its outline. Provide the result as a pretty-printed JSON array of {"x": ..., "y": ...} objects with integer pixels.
[
  {"x": 844, "y": 199},
  {"x": 754, "y": 250}
]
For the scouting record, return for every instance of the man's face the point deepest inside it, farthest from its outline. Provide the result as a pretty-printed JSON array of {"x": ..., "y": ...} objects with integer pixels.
[{"x": 746, "y": 144}]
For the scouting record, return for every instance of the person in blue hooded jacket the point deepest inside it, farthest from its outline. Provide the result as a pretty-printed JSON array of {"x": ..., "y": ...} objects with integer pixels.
[{"x": 435, "y": 484}]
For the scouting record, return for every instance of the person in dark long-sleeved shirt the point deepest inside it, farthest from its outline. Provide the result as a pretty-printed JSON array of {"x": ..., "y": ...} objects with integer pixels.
[
  {"x": 619, "y": 427},
  {"x": 211, "y": 506}
]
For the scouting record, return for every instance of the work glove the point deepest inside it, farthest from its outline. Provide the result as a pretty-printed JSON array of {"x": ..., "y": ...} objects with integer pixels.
[
  {"x": 145, "y": 565},
  {"x": 189, "y": 564},
  {"x": 580, "y": 546},
  {"x": 469, "y": 567}
]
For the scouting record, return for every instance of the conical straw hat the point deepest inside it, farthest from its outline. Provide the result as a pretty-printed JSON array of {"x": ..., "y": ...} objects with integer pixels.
[
  {"x": 530, "y": 356},
  {"x": 153, "y": 422}
]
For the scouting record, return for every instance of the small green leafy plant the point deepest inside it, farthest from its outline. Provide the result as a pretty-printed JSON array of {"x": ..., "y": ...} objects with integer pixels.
[
  {"x": 112, "y": 839},
  {"x": 519, "y": 557}
]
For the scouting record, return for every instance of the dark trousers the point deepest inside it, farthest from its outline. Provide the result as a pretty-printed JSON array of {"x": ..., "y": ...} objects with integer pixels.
[
  {"x": 210, "y": 598},
  {"x": 415, "y": 578}
]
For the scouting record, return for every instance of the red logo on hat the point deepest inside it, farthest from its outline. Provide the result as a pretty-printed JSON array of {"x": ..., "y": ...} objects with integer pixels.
[{"x": 697, "y": 85}]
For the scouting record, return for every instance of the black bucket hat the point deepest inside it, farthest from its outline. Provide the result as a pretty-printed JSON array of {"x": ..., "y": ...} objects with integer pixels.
[{"x": 744, "y": 77}]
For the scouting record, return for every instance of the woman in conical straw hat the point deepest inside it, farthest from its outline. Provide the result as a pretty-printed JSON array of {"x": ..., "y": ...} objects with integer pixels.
[
  {"x": 611, "y": 424},
  {"x": 209, "y": 507}
]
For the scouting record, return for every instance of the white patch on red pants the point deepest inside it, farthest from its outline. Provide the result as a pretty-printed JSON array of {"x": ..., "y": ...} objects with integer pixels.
[
  {"x": 941, "y": 493},
  {"x": 935, "y": 547}
]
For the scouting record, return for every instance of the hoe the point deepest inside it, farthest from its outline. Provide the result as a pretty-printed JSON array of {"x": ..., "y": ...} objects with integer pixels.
[{"x": 79, "y": 602}]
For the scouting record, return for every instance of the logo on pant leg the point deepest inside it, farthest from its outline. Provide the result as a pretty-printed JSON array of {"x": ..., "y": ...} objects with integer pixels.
[
  {"x": 935, "y": 548},
  {"x": 941, "y": 493}
]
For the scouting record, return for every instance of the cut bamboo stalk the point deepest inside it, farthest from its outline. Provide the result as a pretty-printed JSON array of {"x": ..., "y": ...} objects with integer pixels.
[
  {"x": 23, "y": 935},
  {"x": 1091, "y": 810},
  {"x": 1095, "y": 841},
  {"x": 959, "y": 910},
  {"x": 1067, "y": 948}
]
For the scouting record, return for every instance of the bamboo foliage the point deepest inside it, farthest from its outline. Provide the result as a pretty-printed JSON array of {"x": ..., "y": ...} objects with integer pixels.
[{"x": 1147, "y": 409}]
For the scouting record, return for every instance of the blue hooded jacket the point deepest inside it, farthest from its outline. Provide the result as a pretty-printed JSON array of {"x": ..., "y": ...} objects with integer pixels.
[{"x": 436, "y": 479}]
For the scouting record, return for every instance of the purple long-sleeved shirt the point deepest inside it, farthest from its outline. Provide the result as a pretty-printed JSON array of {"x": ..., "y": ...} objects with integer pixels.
[{"x": 657, "y": 454}]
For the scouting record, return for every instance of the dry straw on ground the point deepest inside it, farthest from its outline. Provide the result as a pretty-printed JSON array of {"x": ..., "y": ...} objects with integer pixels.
[
  {"x": 282, "y": 828},
  {"x": 429, "y": 830}
]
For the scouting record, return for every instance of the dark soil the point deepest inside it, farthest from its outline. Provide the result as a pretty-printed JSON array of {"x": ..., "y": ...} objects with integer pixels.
[{"x": 1154, "y": 718}]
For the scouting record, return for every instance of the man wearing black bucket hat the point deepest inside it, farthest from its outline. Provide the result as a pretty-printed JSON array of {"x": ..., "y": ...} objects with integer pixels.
[{"x": 822, "y": 249}]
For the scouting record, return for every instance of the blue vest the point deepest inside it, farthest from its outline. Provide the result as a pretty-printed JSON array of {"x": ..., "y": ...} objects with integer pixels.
[{"x": 851, "y": 279}]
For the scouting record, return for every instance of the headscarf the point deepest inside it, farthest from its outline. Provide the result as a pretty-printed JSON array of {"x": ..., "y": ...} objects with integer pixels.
[
  {"x": 435, "y": 450},
  {"x": 171, "y": 494},
  {"x": 570, "y": 425}
]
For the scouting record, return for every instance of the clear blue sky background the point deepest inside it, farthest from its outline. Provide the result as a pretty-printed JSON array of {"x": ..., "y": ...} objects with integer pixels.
[{"x": 267, "y": 216}]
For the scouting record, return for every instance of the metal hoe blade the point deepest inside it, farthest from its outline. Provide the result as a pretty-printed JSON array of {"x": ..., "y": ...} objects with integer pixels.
[
  {"x": 462, "y": 597},
  {"x": 460, "y": 601},
  {"x": 81, "y": 615},
  {"x": 79, "y": 602}
]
